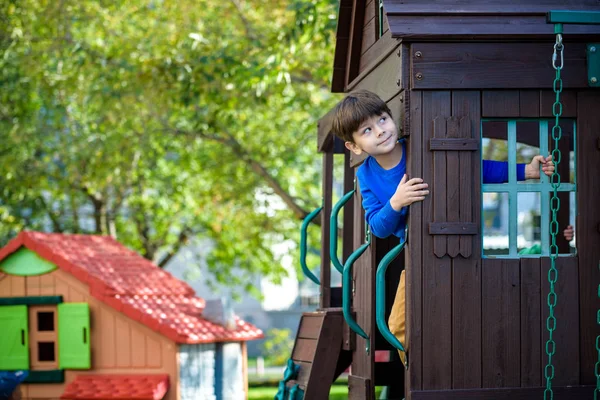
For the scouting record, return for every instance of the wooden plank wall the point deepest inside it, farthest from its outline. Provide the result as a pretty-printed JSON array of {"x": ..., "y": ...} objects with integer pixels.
[
  {"x": 482, "y": 323},
  {"x": 588, "y": 225}
]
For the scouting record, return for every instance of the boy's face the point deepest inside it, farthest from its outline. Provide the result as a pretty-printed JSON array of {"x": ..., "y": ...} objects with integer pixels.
[{"x": 377, "y": 135}]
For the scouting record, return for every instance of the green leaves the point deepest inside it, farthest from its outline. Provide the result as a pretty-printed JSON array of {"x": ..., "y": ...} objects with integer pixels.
[{"x": 160, "y": 122}]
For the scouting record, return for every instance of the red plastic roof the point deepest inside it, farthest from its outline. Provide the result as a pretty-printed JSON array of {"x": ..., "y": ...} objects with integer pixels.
[
  {"x": 132, "y": 285},
  {"x": 92, "y": 387}
]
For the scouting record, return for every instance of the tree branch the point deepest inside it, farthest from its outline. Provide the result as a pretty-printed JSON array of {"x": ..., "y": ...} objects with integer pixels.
[{"x": 182, "y": 240}]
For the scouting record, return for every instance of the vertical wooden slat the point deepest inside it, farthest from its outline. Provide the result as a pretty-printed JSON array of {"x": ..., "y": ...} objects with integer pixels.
[
  {"x": 355, "y": 43},
  {"x": 466, "y": 175},
  {"x": 363, "y": 305},
  {"x": 501, "y": 323},
  {"x": 500, "y": 103},
  {"x": 566, "y": 312},
  {"x": 531, "y": 324},
  {"x": 439, "y": 185},
  {"x": 414, "y": 269},
  {"x": 325, "y": 227},
  {"x": 568, "y": 99},
  {"x": 529, "y": 103},
  {"x": 437, "y": 278},
  {"x": 588, "y": 227},
  {"x": 453, "y": 197},
  {"x": 466, "y": 272}
]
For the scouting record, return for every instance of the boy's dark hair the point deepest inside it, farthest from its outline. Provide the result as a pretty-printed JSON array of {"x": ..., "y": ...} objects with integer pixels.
[{"x": 353, "y": 110}]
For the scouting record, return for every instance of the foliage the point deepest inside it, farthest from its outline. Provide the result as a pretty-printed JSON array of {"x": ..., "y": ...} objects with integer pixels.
[
  {"x": 278, "y": 345},
  {"x": 157, "y": 122}
]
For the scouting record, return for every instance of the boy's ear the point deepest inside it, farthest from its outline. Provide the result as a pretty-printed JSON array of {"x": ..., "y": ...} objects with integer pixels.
[{"x": 353, "y": 148}]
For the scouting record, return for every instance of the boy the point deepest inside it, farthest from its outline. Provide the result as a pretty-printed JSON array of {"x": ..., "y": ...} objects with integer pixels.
[{"x": 364, "y": 122}]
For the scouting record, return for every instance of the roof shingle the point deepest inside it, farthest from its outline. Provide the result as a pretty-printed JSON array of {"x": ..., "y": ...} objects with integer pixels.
[{"x": 117, "y": 387}]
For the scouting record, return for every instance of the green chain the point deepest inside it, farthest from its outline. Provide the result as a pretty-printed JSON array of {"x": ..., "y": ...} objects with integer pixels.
[
  {"x": 554, "y": 207},
  {"x": 597, "y": 369}
]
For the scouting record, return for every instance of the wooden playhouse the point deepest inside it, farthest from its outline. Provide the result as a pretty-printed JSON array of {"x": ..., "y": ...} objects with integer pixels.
[
  {"x": 91, "y": 319},
  {"x": 468, "y": 80}
]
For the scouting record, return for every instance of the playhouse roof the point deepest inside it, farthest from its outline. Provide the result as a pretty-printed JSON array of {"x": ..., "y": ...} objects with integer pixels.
[
  {"x": 131, "y": 284},
  {"x": 143, "y": 387},
  {"x": 442, "y": 21}
]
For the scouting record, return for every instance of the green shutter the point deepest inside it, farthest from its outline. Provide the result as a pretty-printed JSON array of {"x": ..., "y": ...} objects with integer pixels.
[
  {"x": 14, "y": 346},
  {"x": 74, "y": 336}
]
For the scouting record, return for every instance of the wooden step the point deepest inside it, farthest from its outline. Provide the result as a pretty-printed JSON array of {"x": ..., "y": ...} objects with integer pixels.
[{"x": 318, "y": 352}]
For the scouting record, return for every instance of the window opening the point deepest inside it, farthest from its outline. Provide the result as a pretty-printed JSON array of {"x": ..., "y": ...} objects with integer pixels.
[
  {"x": 45, "y": 321},
  {"x": 516, "y": 214}
]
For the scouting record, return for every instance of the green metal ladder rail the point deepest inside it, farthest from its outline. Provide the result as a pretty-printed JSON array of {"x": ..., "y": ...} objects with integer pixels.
[
  {"x": 347, "y": 289},
  {"x": 380, "y": 298},
  {"x": 303, "y": 244},
  {"x": 333, "y": 227}
]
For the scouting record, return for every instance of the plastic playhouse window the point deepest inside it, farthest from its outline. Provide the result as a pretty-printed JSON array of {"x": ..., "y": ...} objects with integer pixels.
[{"x": 517, "y": 214}]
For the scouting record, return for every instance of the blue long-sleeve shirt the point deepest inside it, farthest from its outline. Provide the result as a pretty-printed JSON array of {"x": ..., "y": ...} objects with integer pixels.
[{"x": 378, "y": 185}]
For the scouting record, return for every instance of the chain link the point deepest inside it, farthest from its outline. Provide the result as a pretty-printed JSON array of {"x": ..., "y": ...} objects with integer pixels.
[{"x": 557, "y": 109}]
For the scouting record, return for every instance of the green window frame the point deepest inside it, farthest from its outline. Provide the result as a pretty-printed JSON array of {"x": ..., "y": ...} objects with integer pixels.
[
  {"x": 74, "y": 350},
  {"x": 513, "y": 188}
]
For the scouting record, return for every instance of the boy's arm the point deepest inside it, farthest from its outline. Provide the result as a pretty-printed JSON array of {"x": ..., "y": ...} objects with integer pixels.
[
  {"x": 497, "y": 171},
  {"x": 382, "y": 218}
]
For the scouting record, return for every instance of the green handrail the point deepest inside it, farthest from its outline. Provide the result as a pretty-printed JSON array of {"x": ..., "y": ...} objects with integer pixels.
[
  {"x": 380, "y": 290},
  {"x": 333, "y": 242},
  {"x": 303, "y": 245},
  {"x": 347, "y": 289}
]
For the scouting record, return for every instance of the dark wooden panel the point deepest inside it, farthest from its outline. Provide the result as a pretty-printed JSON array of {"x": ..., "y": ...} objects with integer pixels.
[
  {"x": 363, "y": 300},
  {"x": 501, "y": 66},
  {"x": 327, "y": 185},
  {"x": 439, "y": 188},
  {"x": 466, "y": 323},
  {"x": 304, "y": 350},
  {"x": 324, "y": 136},
  {"x": 468, "y": 104},
  {"x": 568, "y": 98},
  {"x": 466, "y": 272},
  {"x": 310, "y": 327},
  {"x": 453, "y": 228},
  {"x": 587, "y": 230},
  {"x": 437, "y": 277},
  {"x": 531, "y": 346},
  {"x": 458, "y": 144},
  {"x": 453, "y": 184},
  {"x": 414, "y": 268},
  {"x": 342, "y": 50},
  {"x": 511, "y": 7},
  {"x": 500, "y": 103},
  {"x": 328, "y": 348},
  {"x": 356, "y": 32},
  {"x": 560, "y": 393},
  {"x": 360, "y": 388},
  {"x": 566, "y": 336},
  {"x": 382, "y": 78},
  {"x": 304, "y": 373},
  {"x": 482, "y": 27},
  {"x": 381, "y": 47},
  {"x": 369, "y": 11},
  {"x": 501, "y": 323},
  {"x": 396, "y": 106},
  {"x": 529, "y": 103},
  {"x": 368, "y": 38}
]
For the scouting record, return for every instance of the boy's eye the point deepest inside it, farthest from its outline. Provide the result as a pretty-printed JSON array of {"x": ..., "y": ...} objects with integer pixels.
[
  {"x": 382, "y": 119},
  {"x": 366, "y": 130}
]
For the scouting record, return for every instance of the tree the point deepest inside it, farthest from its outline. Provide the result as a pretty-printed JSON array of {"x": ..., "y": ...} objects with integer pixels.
[{"x": 157, "y": 122}]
